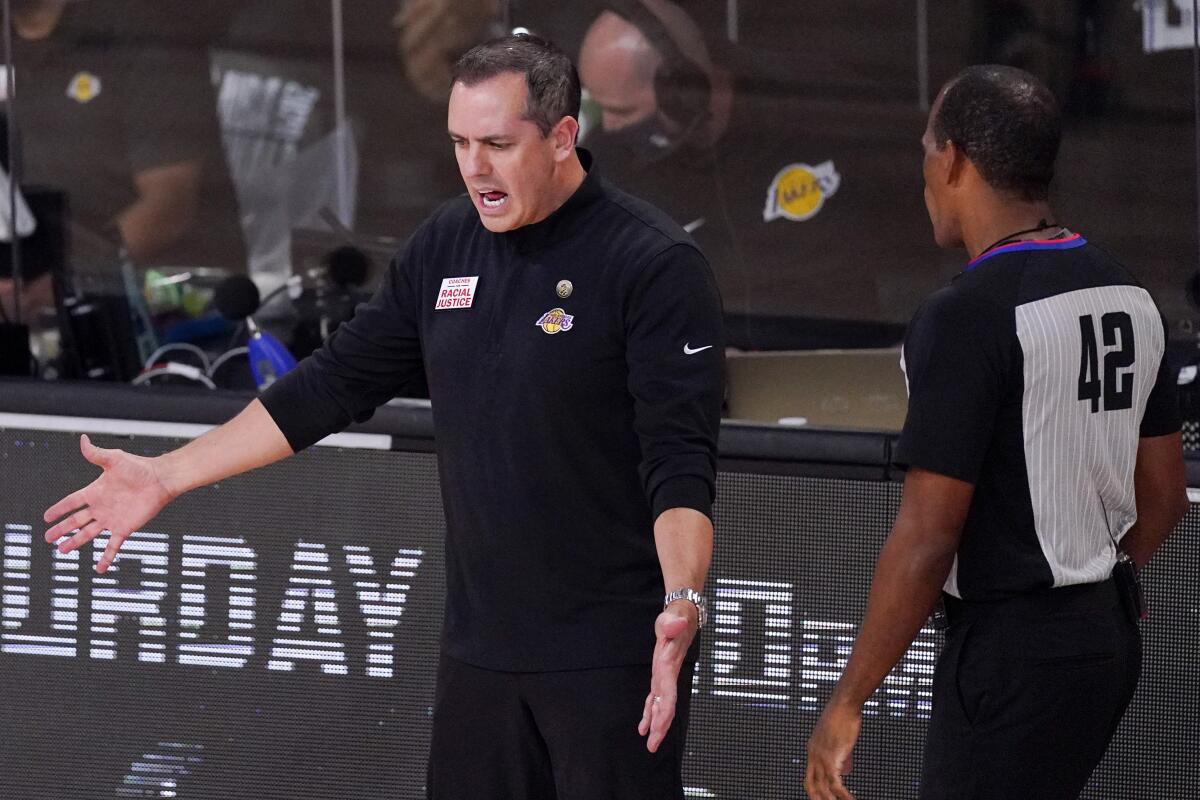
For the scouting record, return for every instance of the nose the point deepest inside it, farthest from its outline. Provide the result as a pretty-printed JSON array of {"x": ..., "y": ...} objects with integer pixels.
[{"x": 475, "y": 162}]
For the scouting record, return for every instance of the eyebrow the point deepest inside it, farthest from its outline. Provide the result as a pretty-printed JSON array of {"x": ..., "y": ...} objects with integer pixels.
[{"x": 493, "y": 139}]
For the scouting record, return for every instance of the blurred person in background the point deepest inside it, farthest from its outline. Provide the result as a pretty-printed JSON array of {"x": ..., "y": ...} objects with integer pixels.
[
  {"x": 692, "y": 127},
  {"x": 663, "y": 106},
  {"x": 122, "y": 119},
  {"x": 432, "y": 34}
]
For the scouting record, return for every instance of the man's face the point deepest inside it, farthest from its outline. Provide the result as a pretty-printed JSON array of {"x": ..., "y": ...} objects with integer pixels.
[
  {"x": 506, "y": 163},
  {"x": 938, "y": 200},
  {"x": 620, "y": 83}
]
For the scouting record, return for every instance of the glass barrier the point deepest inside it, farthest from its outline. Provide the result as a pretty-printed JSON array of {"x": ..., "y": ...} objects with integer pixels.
[{"x": 169, "y": 150}]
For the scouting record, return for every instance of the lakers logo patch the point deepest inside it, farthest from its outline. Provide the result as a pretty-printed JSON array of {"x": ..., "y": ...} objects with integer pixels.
[
  {"x": 555, "y": 320},
  {"x": 799, "y": 191},
  {"x": 84, "y": 87}
]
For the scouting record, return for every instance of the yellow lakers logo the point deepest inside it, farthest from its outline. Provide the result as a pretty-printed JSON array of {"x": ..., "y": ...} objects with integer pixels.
[
  {"x": 555, "y": 320},
  {"x": 799, "y": 191},
  {"x": 84, "y": 87}
]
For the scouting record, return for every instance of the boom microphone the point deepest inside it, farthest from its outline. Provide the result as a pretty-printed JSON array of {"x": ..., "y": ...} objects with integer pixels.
[{"x": 236, "y": 297}]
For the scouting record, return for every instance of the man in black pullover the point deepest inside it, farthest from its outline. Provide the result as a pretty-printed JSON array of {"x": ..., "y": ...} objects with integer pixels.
[{"x": 571, "y": 339}]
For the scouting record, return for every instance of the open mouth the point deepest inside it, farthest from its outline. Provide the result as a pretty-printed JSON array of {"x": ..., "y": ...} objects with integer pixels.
[{"x": 493, "y": 200}]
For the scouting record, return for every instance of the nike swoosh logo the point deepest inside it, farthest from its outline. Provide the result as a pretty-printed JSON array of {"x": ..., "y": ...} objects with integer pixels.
[{"x": 689, "y": 351}]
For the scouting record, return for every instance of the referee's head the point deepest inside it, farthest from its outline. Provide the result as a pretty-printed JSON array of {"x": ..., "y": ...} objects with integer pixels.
[{"x": 992, "y": 130}]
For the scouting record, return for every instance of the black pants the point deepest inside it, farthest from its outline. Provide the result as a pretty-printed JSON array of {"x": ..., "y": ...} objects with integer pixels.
[
  {"x": 551, "y": 736},
  {"x": 1027, "y": 694}
]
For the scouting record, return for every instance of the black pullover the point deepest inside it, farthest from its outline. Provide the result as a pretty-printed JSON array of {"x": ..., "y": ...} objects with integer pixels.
[{"x": 564, "y": 425}]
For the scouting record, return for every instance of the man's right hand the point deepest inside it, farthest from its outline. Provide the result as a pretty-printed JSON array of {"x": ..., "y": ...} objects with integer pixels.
[
  {"x": 127, "y": 495},
  {"x": 830, "y": 750}
]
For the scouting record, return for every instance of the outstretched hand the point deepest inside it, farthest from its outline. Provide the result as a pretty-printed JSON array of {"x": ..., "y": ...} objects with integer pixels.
[
  {"x": 674, "y": 630},
  {"x": 129, "y": 493}
]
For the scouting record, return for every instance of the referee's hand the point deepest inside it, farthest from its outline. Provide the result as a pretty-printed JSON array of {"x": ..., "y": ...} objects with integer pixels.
[
  {"x": 673, "y": 630},
  {"x": 829, "y": 752}
]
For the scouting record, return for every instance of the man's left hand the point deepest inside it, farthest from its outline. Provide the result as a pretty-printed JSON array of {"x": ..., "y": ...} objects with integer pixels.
[{"x": 674, "y": 630}]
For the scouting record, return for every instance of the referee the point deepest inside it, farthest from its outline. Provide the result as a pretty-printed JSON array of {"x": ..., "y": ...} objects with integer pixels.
[{"x": 1042, "y": 443}]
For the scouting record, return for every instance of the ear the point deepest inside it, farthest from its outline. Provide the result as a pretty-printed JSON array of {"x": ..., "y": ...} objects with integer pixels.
[
  {"x": 957, "y": 164},
  {"x": 563, "y": 137}
]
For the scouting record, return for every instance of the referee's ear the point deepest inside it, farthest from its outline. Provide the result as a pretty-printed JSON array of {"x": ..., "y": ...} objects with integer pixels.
[{"x": 959, "y": 169}]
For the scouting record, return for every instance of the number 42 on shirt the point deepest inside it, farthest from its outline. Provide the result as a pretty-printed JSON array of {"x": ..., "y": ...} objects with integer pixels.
[{"x": 1115, "y": 386}]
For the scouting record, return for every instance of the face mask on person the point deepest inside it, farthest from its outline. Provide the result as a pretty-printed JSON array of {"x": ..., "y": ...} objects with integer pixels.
[{"x": 643, "y": 142}]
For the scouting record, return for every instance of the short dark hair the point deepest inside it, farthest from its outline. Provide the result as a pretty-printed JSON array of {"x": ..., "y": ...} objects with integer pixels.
[
  {"x": 1007, "y": 123},
  {"x": 550, "y": 77}
]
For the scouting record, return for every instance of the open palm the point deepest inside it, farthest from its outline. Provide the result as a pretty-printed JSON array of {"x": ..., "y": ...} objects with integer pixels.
[
  {"x": 128, "y": 494},
  {"x": 673, "y": 636}
]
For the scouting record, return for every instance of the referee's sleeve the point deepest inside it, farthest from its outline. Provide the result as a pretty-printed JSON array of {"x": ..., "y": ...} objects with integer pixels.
[
  {"x": 954, "y": 365},
  {"x": 1162, "y": 408},
  {"x": 675, "y": 350}
]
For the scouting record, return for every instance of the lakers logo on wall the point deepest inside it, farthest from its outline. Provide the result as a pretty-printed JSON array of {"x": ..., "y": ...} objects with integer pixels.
[
  {"x": 555, "y": 320},
  {"x": 799, "y": 191},
  {"x": 84, "y": 87}
]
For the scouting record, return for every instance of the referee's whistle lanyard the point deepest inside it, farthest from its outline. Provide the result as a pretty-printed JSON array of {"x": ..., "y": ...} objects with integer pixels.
[{"x": 1012, "y": 237}]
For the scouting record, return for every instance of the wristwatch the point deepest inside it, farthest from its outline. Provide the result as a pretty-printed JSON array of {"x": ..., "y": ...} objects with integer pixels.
[{"x": 690, "y": 594}]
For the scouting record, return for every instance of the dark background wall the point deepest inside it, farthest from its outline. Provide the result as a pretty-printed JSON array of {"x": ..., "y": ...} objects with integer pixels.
[{"x": 815, "y": 81}]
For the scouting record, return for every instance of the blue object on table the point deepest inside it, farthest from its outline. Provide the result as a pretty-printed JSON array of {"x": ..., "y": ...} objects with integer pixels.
[{"x": 269, "y": 359}]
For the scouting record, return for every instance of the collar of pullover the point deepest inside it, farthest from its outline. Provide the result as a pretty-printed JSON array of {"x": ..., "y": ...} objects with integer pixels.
[{"x": 564, "y": 220}]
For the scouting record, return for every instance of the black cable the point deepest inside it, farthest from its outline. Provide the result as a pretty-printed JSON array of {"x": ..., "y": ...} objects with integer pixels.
[{"x": 1011, "y": 238}]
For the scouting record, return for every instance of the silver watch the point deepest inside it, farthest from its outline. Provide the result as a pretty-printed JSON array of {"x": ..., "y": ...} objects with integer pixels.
[{"x": 690, "y": 594}]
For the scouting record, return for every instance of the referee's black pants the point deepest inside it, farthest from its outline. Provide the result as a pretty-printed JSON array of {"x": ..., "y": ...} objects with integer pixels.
[
  {"x": 568, "y": 735},
  {"x": 1028, "y": 693}
]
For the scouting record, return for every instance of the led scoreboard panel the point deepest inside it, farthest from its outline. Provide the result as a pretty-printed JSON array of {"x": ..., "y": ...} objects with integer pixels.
[{"x": 275, "y": 636}]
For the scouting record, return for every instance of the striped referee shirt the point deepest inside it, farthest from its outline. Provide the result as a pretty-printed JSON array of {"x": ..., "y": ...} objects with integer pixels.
[{"x": 1032, "y": 376}]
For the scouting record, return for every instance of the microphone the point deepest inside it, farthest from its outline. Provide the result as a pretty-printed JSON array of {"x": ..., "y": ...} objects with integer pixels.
[
  {"x": 347, "y": 266},
  {"x": 334, "y": 292},
  {"x": 237, "y": 298}
]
